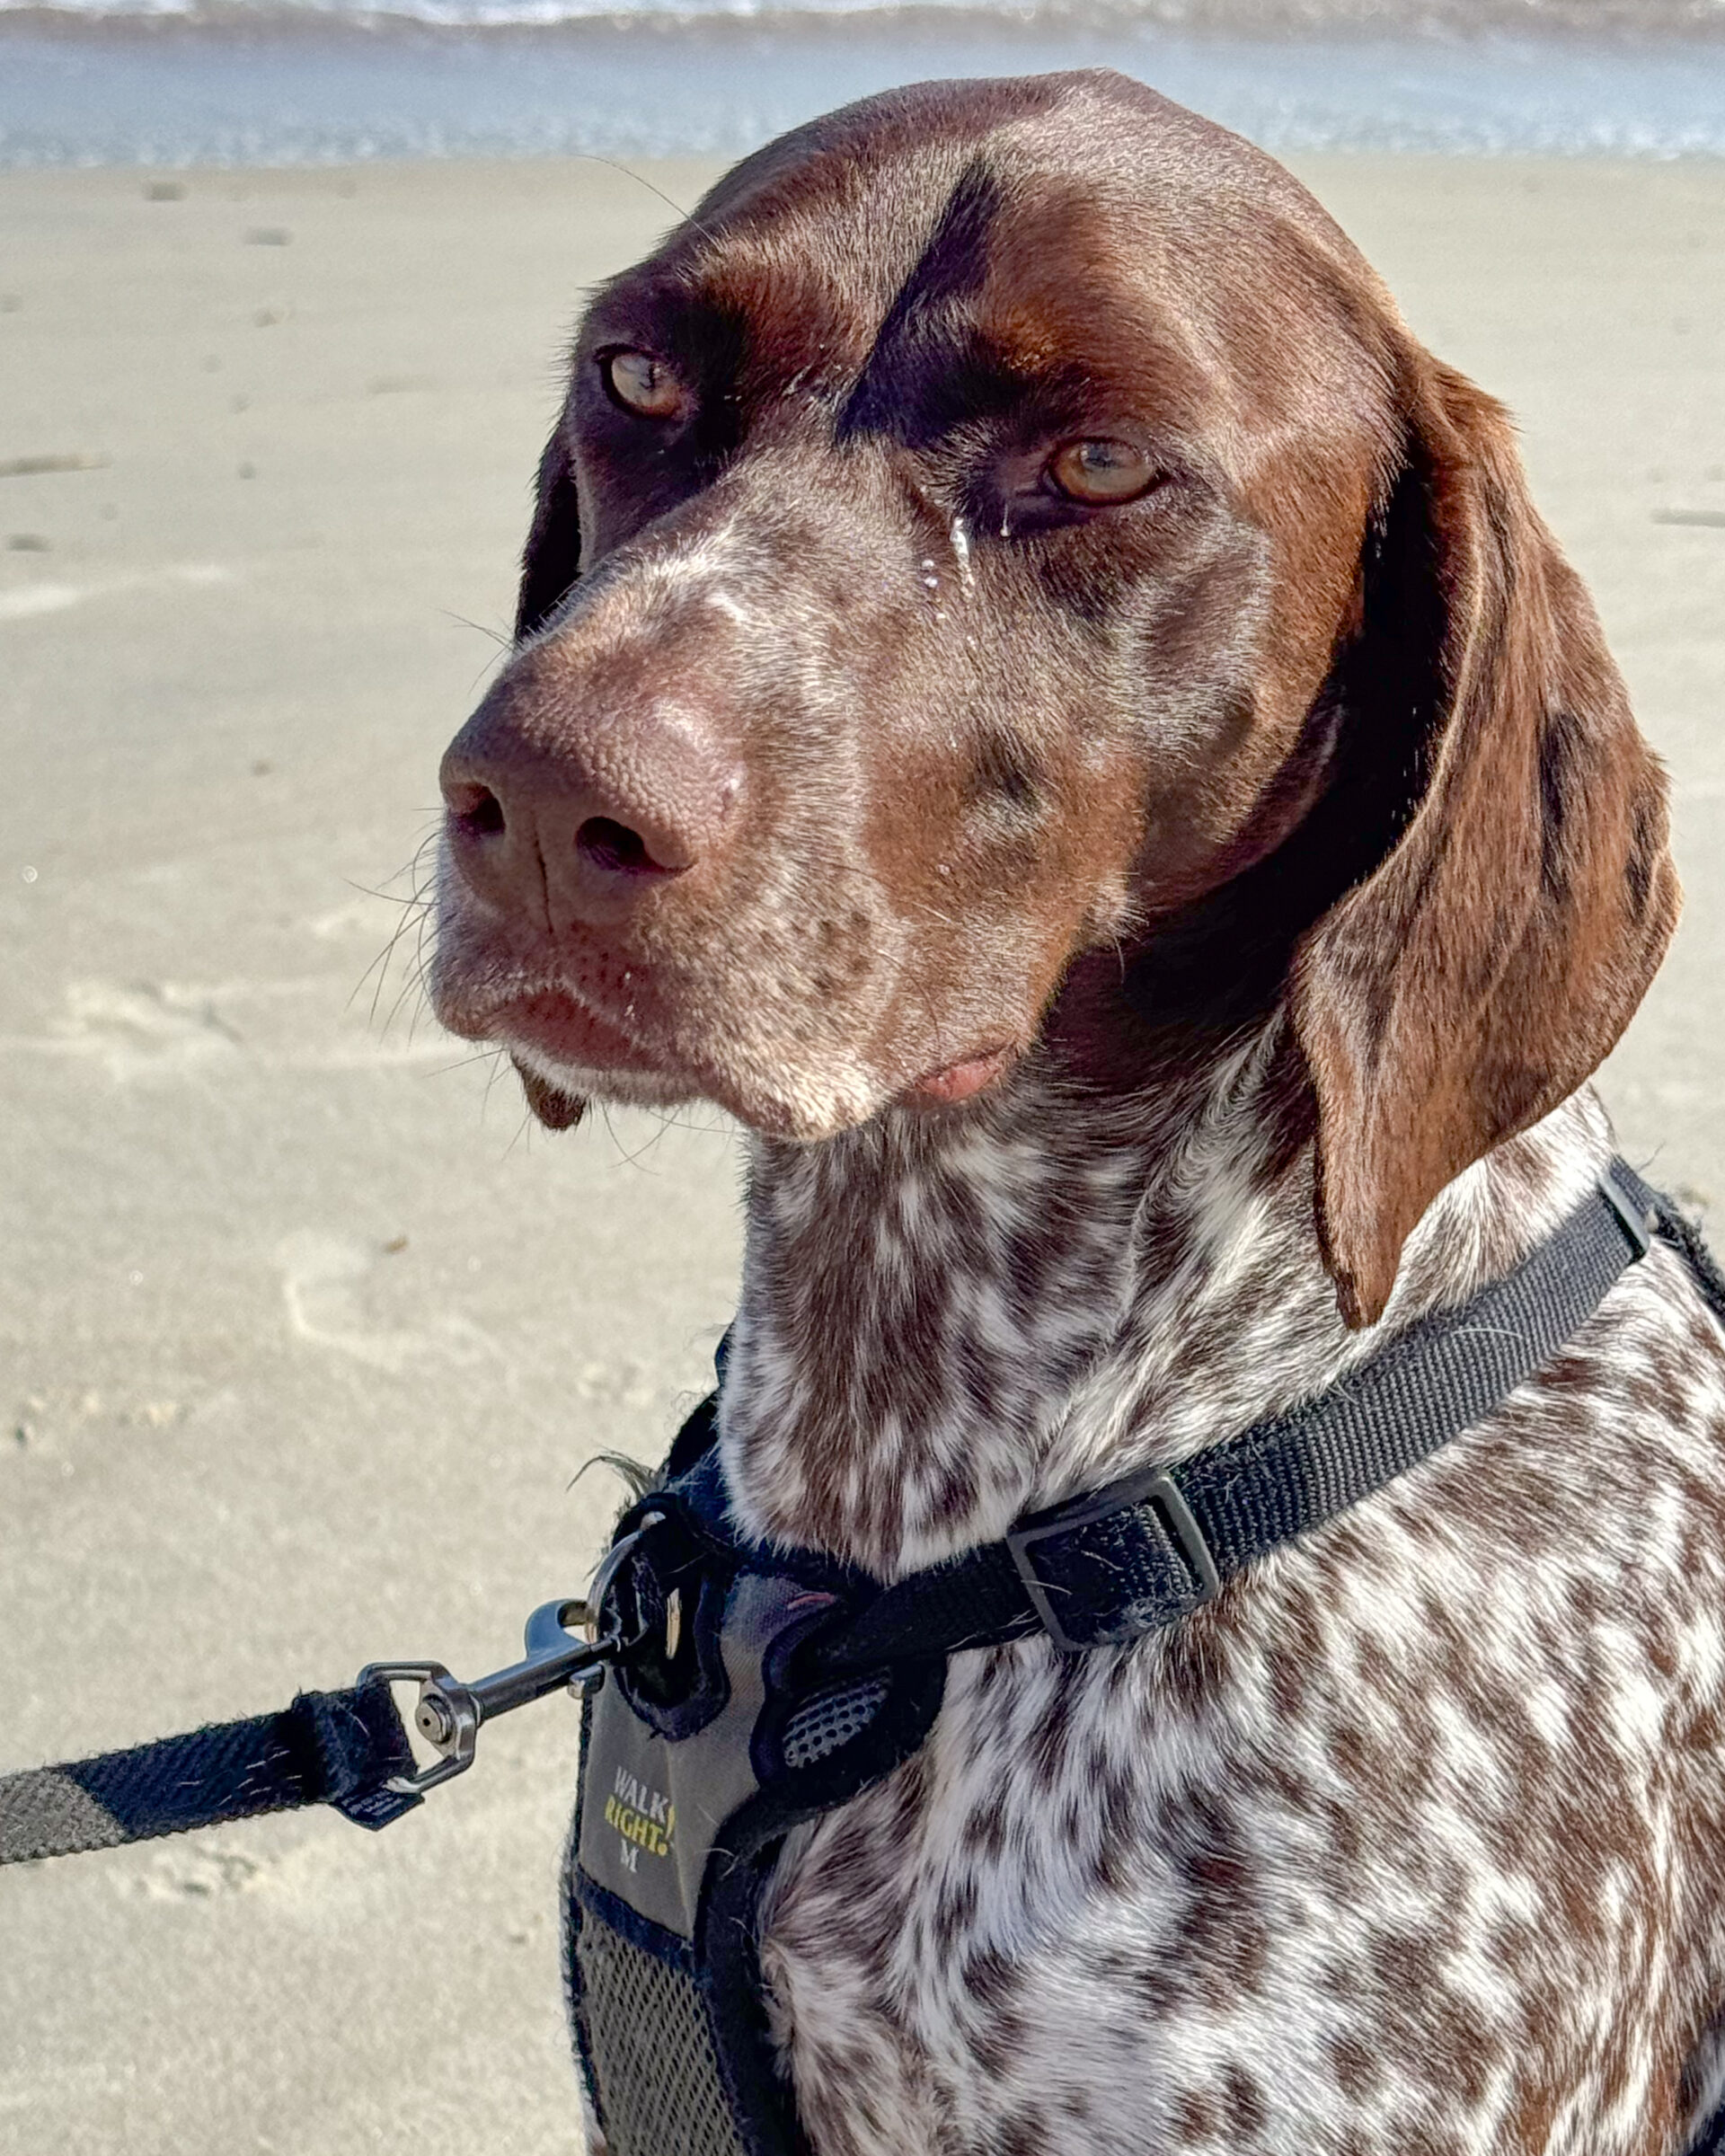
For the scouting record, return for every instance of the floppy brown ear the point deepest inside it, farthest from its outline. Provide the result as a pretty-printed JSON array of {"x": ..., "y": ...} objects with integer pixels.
[
  {"x": 551, "y": 559},
  {"x": 1486, "y": 967}
]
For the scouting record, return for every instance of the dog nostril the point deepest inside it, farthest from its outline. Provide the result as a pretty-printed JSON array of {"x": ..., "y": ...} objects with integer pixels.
[
  {"x": 478, "y": 811},
  {"x": 614, "y": 846}
]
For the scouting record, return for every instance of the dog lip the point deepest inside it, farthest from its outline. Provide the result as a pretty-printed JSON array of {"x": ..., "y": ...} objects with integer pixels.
[
  {"x": 951, "y": 1083},
  {"x": 574, "y": 1047},
  {"x": 573, "y": 1050},
  {"x": 556, "y": 1108},
  {"x": 545, "y": 1016},
  {"x": 568, "y": 1029}
]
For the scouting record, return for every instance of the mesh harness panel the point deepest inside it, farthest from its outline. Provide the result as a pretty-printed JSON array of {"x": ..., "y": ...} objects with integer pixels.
[{"x": 650, "y": 2049}]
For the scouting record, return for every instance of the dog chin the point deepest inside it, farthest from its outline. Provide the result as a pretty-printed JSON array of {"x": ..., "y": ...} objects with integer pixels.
[{"x": 558, "y": 1094}]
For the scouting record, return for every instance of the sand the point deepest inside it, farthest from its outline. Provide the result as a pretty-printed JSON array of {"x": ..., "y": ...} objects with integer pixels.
[{"x": 303, "y": 1334}]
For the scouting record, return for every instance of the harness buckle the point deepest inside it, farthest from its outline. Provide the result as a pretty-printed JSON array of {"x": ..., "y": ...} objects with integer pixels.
[
  {"x": 448, "y": 1713},
  {"x": 1632, "y": 1217},
  {"x": 1067, "y": 1523}
]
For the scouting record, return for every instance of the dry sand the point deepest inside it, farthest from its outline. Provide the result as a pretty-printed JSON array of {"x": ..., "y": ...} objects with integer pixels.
[{"x": 304, "y": 1336}]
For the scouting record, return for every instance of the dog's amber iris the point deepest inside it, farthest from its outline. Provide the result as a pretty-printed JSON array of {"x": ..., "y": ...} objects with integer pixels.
[
  {"x": 1102, "y": 471},
  {"x": 642, "y": 385}
]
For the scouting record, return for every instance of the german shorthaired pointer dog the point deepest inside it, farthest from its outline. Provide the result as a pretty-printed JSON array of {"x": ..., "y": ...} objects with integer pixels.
[{"x": 1035, "y": 693}]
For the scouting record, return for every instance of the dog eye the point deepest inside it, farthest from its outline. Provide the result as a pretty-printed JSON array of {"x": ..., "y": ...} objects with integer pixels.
[
  {"x": 642, "y": 385},
  {"x": 1101, "y": 471}
]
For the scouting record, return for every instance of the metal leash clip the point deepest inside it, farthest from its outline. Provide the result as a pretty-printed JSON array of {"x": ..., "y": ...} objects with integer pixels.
[{"x": 449, "y": 1713}]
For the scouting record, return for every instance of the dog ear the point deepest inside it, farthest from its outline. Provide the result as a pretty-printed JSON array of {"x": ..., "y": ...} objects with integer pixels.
[
  {"x": 1488, "y": 963},
  {"x": 552, "y": 559}
]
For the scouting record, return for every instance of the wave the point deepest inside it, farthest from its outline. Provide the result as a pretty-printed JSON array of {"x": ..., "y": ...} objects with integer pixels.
[
  {"x": 287, "y": 82},
  {"x": 1592, "y": 21}
]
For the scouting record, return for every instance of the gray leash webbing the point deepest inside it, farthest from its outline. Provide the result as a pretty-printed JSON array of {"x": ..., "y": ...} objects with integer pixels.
[{"x": 341, "y": 1749}]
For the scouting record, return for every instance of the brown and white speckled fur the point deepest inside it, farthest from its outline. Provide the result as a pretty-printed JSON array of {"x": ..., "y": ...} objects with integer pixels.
[
  {"x": 1416, "y": 1839},
  {"x": 1157, "y": 942}
]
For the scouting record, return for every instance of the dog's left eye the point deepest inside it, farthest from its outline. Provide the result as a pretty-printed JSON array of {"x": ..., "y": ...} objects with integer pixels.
[
  {"x": 1101, "y": 471},
  {"x": 642, "y": 385}
]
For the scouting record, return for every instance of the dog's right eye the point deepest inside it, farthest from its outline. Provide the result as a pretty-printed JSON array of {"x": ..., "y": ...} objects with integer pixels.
[
  {"x": 642, "y": 385},
  {"x": 1101, "y": 471}
]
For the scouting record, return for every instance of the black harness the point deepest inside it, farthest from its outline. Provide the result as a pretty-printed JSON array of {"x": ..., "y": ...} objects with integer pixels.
[
  {"x": 746, "y": 1691},
  {"x": 759, "y": 1690}
]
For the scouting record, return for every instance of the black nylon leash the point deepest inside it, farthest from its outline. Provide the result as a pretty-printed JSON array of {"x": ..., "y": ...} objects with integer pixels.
[
  {"x": 1100, "y": 1570},
  {"x": 347, "y": 1749},
  {"x": 341, "y": 1749}
]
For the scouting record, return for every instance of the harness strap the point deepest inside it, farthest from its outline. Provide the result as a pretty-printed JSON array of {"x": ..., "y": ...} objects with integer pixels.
[
  {"x": 1150, "y": 1549},
  {"x": 341, "y": 1749}
]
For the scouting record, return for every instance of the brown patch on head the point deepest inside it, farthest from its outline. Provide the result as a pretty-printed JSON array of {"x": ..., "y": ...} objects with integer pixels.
[
  {"x": 1197, "y": 2117},
  {"x": 983, "y": 723},
  {"x": 1319, "y": 713}
]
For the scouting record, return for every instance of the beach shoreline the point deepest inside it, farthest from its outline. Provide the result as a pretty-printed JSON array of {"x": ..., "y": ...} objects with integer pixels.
[{"x": 297, "y": 82}]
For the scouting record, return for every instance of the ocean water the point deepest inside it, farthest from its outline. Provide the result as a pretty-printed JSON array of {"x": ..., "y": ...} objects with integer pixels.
[{"x": 173, "y": 81}]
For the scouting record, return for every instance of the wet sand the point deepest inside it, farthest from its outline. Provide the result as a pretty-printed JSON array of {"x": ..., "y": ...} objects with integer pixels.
[{"x": 303, "y": 1334}]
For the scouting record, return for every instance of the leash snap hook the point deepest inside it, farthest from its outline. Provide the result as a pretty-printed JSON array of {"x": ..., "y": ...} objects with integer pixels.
[{"x": 448, "y": 1713}]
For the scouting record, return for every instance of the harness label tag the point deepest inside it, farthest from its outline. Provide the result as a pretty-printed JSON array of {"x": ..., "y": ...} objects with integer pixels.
[{"x": 650, "y": 1809}]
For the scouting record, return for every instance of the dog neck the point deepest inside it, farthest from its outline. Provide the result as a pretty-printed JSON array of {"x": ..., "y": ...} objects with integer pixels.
[{"x": 947, "y": 1320}]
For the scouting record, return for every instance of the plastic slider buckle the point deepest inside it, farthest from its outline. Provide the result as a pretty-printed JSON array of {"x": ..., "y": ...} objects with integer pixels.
[
  {"x": 1630, "y": 1218},
  {"x": 1159, "y": 1490}
]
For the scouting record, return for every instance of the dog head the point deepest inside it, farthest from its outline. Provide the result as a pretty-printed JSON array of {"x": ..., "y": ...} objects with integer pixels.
[{"x": 1008, "y": 523}]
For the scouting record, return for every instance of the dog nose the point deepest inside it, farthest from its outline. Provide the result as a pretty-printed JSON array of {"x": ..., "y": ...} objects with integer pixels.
[{"x": 568, "y": 812}]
